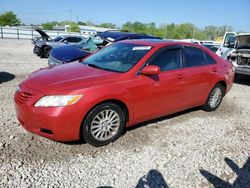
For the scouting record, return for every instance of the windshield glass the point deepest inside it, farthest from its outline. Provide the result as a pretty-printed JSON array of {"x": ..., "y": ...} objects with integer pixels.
[
  {"x": 57, "y": 39},
  {"x": 87, "y": 44},
  {"x": 119, "y": 57},
  {"x": 214, "y": 48}
]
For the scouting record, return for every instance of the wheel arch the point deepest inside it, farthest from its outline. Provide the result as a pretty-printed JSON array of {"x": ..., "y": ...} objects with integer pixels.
[
  {"x": 224, "y": 84},
  {"x": 118, "y": 102}
]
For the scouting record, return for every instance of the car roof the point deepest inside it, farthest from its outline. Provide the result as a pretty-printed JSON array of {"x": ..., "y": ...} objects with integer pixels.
[
  {"x": 160, "y": 42},
  {"x": 78, "y": 36},
  {"x": 117, "y": 36}
]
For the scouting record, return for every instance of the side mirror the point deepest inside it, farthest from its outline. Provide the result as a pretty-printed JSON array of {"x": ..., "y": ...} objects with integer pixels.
[{"x": 150, "y": 70}]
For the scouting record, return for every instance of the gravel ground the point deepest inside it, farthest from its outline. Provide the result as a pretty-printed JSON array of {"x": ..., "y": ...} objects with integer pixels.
[{"x": 189, "y": 149}]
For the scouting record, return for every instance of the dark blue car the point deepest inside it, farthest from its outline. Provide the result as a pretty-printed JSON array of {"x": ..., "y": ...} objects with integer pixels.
[{"x": 70, "y": 53}]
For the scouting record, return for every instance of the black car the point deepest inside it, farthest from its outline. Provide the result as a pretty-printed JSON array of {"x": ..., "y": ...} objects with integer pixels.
[{"x": 66, "y": 54}]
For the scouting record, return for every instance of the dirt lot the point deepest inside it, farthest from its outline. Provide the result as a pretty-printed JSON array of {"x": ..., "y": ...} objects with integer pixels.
[{"x": 190, "y": 149}]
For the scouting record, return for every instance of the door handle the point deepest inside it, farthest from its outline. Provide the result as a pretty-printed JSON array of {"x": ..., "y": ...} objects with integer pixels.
[
  {"x": 180, "y": 76},
  {"x": 215, "y": 70}
]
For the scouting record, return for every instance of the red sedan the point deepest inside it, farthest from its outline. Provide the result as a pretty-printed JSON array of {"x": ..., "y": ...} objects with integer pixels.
[{"x": 119, "y": 86}]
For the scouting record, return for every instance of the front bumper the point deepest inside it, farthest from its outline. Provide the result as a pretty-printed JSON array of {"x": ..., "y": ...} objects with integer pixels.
[
  {"x": 56, "y": 123},
  {"x": 242, "y": 70},
  {"x": 37, "y": 50}
]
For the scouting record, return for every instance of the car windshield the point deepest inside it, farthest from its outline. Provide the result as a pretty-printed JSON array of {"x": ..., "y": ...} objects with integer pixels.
[
  {"x": 119, "y": 57},
  {"x": 87, "y": 44},
  {"x": 57, "y": 39},
  {"x": 214, "y": 48}
]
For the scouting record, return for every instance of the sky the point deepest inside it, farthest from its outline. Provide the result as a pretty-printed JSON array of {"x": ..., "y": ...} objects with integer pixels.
[{"x": 199, "y": 12}]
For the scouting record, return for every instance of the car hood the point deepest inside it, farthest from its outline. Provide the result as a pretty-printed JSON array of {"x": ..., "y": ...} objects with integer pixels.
[
  {"x": 68, "y": 78},
  {"x": 42, "y": 33},
  {"x": 68, "y": 53},
  {"x": 243, "y": 42}
]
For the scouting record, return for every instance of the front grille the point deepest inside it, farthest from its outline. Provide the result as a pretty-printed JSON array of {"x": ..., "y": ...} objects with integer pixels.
[
  {"x": 244, "y": 61},
  {"x": 23, "y": 97}
]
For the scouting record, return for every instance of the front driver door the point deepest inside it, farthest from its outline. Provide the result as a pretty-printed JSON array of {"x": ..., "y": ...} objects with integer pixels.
[{"x": 162, "y": 94}]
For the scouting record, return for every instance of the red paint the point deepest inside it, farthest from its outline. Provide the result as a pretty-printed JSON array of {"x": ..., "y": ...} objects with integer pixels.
[{"x": 146, "y": 97}]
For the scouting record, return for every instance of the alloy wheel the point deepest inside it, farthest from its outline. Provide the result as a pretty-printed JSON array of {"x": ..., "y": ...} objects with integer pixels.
[{"x": 105, "y": 125}]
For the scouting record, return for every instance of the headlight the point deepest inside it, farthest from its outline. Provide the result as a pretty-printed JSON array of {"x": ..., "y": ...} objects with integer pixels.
[{"x": 58, "y": 100}]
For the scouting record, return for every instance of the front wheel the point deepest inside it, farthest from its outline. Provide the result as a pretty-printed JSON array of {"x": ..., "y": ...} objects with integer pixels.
[
  {"x": 104, "y": 124},
  {"x": 215, "y": 98},
  {"x": 46, "y": 51}
]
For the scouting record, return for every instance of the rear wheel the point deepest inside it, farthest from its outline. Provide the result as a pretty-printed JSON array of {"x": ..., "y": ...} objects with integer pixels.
[
  {"x": 104, "y": 124},
  {"x": 215, "y": 98}
]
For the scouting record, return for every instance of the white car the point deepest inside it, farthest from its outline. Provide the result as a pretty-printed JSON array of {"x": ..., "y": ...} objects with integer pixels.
[{"x": 236, "y": 48}]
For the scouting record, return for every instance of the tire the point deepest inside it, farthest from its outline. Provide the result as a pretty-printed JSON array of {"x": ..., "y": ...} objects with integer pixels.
[
  {"x": 104, "y": 124},
  {"x": 45, "y": 52},
  {"x": 215, "y": 98}
]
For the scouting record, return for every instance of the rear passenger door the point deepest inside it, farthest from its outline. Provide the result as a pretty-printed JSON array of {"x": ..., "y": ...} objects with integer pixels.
[{"x": 199, "y": 72}]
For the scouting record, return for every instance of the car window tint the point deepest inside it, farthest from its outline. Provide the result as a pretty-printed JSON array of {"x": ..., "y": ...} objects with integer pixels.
[
  {"x": 73, "y": 39},
  {"x": 209, "y": 59},
  {"x": 194, "y": 56},
  {"x": 168, "y": 60},
  {"x": 57, "y": 39}
]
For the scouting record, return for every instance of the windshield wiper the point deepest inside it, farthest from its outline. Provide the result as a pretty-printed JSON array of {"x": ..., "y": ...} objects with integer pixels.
[
  {"x": 95, "y": 66},
  {"x": 99, "y": 67}
]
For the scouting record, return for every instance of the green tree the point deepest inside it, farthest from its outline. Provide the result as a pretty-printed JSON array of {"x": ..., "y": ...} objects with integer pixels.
[
  {"x": 107, "y": 25},
  {"x": 211, "y": 31},
  {"x": 81, "y": 23},
  {"x": 48, "y": 26},
  {"x": 127, "y": 26},
  {"x": 66, "y": 22},
  {"x": 73, "y": 27},
  {"x": 151, "y": 28},
  {"x": 9, "y": 18}
]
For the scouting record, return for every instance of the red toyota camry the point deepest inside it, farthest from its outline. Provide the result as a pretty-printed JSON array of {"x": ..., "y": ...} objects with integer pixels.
[{"x": 119, "y": 86}]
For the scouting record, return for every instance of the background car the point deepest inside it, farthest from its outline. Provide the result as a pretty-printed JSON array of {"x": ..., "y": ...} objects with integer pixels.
[
  {"x": 66, "y": 54},
  {"x": 119, "y": 86},
  {"x": 42, "y": 48},
  {"x": 212, "y": 46},
  {"x": 43, "y": 44},
  {"x": 240, "y": 55}
]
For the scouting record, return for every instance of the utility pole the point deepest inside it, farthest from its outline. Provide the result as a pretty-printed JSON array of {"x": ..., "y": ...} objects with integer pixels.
[
  {"x": 70, "y": 19},
  {"x": 194, "y": 32}
]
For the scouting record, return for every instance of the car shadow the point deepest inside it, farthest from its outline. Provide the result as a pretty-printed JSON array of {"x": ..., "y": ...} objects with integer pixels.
[
  {"x": 242, "y": 180},
  {"x": 139, "y": 125},
  {"x": 153, "y": 179},
  {"x": 242, "y": 79},
  {"x": 5, "y": 77}
]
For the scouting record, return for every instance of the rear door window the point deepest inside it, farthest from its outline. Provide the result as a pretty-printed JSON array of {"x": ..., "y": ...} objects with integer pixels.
[
  {"x": 73, "y": 39},
  {"x": 168, "y": 60},
  {"x": 194, "y": 57}
]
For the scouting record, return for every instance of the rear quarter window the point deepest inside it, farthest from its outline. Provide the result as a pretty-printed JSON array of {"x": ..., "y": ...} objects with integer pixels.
[{"x": 209, "y": 59}]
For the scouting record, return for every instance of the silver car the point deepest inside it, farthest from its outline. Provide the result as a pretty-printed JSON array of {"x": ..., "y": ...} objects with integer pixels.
[{"x": 44, "y": 44}]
